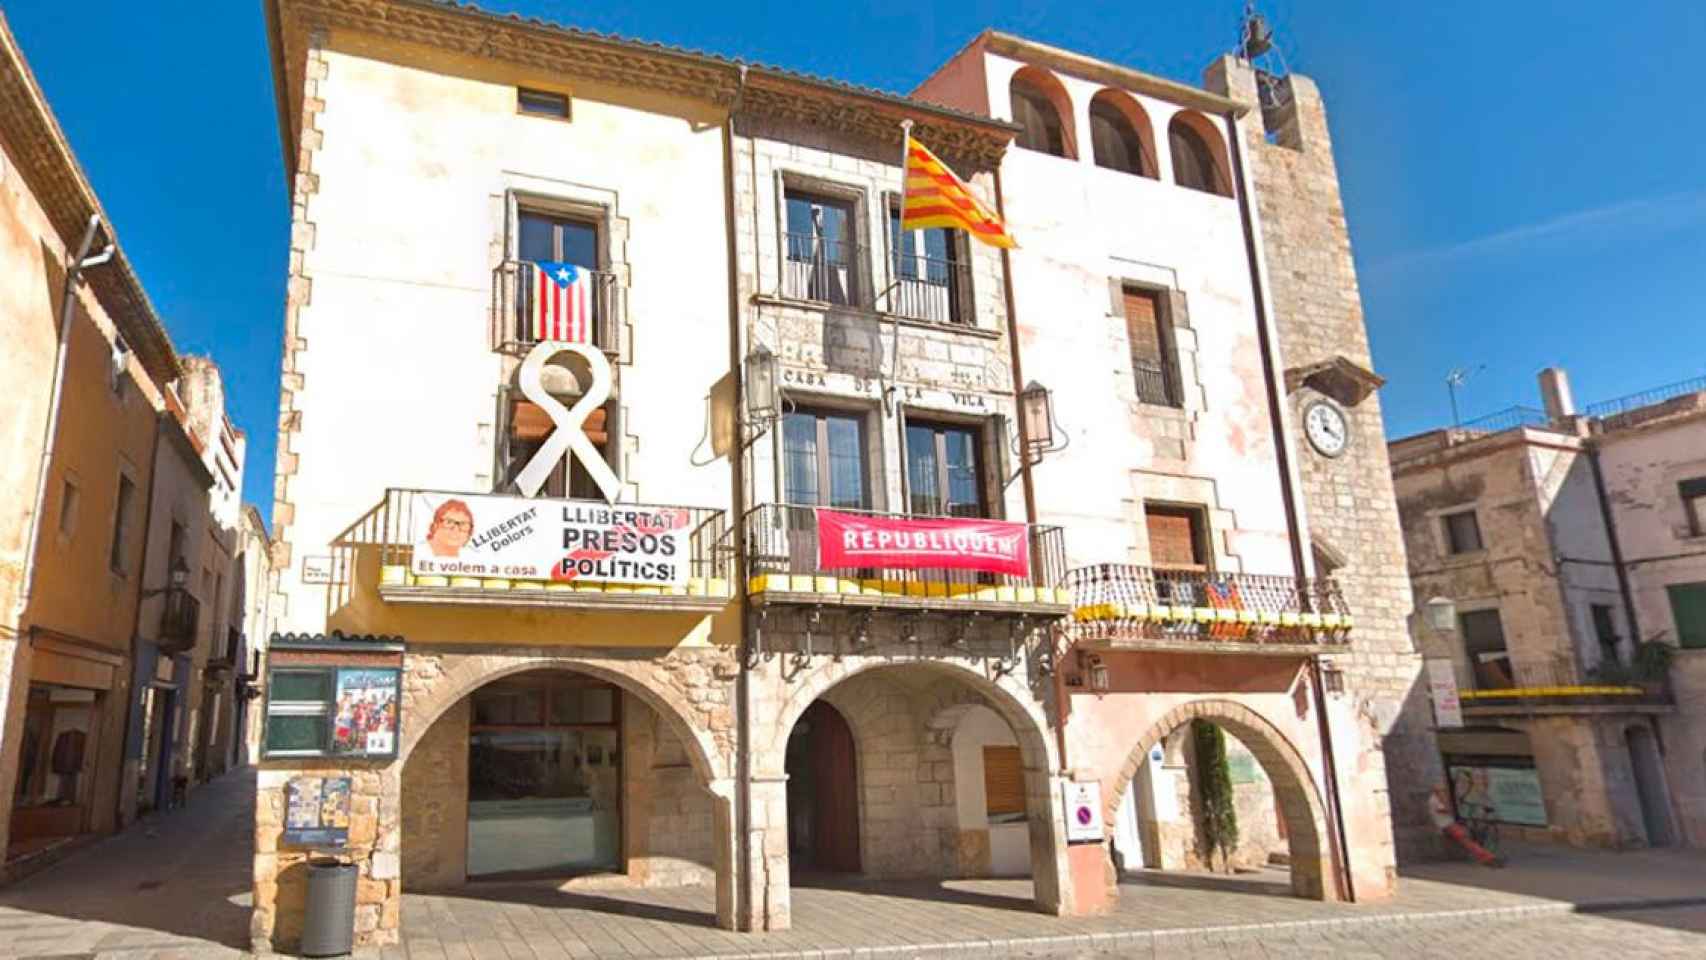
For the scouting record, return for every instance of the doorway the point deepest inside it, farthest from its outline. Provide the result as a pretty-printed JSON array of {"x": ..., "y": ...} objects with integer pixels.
[
  {"x": 1649, "y": 785},
  {"x": 823, "y": 792}
]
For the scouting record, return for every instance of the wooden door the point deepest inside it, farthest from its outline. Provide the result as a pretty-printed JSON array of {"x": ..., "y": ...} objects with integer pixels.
[{"x": 835, "y": 781}]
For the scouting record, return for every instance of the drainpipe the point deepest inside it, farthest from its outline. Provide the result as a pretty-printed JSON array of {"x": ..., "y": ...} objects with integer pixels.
[
  {"x": 1030, "y": 489},
  {"x": 1617, "y": 563},
  {"x": 67, "y": 309},
  {"x": 1337, "y": 843},
  {"x": 136, "y": 627},
  {"x": 737, "y": 470}
]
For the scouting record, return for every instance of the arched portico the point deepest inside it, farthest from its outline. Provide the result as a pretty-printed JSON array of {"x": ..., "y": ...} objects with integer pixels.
[{"x": 1294, "y": 787}]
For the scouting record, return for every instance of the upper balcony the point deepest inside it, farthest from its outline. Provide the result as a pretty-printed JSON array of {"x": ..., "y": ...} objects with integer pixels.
[
  {"x": 1127, "y": 607},
  {"x": 529, "y": 306},
  {"x": 793, "y": 558},
  {"x": 932, "y": 288},
  {"x": 1504, "y": 686},
  {"x": 466, "y": 549}
]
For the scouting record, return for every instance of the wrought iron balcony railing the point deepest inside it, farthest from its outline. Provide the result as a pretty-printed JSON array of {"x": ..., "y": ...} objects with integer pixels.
[
  {"x": 179, "y": 617},
  {"x": 783, "y": 566},
  {"x": 824, "y": 269},
  {"x": 933, "y": 289},
  {"x": 1157, "y": 383},
  {"x": 1502, "y": 684},
  {"x": 518, "y": 298},
  {"x": 1125, "y": 604},
  {"x": 389, "y": 531}
]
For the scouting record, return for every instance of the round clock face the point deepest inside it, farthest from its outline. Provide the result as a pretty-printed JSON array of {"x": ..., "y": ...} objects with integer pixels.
[{"x": 1325, "y": 426}]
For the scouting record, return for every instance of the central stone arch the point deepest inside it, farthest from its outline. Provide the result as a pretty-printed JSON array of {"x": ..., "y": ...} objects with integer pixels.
[{"x": 1294, "y": 786}]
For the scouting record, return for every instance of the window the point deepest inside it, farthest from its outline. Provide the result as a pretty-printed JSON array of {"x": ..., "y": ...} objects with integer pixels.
[
  {"x": 70, "y": 498},
  {"x": 931, "y": 273},
  {"x": 1152, "y": 365},
  {"x": 121, "y": 524},
  {"x": 1176, "y": 537},
  {"x": 1484, "y": 642},
  {"x": 944, "y": 473},
  {"x": 541, "y": 103},
  {"x": 542, "y": 237},
  {"x": 1605, "y": 631},
  {"x": 299, "y": 703},
  {"x": 1693, "y": 493},
  {"x": 824, "y": 460},
  {"x": 526, "y": 426},
  {"x": 1194, "y": 163},
  {"x": 1114, "y": 141},
  {"x": 347, "y": 711},
  {"x": 822, "y": 255},
  {"x": 1688, "y": 609},
  {"x": 1462, "y": 532},
  {"x": 1033, "y": 111},
  {"x": 1003, "y": 784}
]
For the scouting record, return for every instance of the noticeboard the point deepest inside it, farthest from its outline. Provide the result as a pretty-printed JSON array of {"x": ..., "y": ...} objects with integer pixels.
[{"x": 316, "y": 812}]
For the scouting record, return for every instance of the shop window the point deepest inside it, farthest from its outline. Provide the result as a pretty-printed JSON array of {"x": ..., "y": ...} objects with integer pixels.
[
  {"x": 1693, "y": 493},
  {"x": 822, "y": 249},
  {"x": 944, "y": 471},
  {"x": 118, "y": 556},
  {"x": 1483, "y": 635},
  {"x": 1153, "y": 367},
  {"x": 1688, "y": 609},
  {"x": 1462, "y": 532},
  {"x": 1003, "y": 784},
  {"x": 1177, "y": 537}
]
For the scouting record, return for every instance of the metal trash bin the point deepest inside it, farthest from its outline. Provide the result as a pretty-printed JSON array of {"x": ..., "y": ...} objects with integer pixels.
[{"x": 328, "y": 930}]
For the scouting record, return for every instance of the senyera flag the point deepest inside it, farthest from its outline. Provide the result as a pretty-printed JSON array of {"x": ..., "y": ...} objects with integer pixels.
[
  {"x": 562, "y": 301},
  {"x": 934, "y": 197},
  {"x": 849, "y": 540}
]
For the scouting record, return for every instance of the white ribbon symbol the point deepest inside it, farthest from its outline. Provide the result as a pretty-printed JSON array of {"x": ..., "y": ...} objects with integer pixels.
[{"x": 568, "y": 436}]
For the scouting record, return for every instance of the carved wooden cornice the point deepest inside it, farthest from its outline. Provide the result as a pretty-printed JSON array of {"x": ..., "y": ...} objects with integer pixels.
[{"x": 44, "y": 160}]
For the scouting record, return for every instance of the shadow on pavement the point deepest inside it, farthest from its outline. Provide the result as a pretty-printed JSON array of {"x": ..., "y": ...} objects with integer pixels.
[{"x": 932, "y": 891}]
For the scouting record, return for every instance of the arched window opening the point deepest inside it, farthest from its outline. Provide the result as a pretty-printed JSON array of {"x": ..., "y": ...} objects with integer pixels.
[
  {"x": 1117, "y": 140},
  {"x": 1196, "y": 164},
  {"x": 1043, "y": 110}
]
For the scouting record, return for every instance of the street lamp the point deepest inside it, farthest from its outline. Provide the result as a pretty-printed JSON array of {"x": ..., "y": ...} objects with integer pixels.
[
  {"x": 763, "y": 397},
  {"x": 176, "y": 578},
  {"x": 1441, "y": 614}
]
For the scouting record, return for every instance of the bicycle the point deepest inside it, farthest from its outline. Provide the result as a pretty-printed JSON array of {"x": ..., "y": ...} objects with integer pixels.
[{"x": 1482, "y": 828}]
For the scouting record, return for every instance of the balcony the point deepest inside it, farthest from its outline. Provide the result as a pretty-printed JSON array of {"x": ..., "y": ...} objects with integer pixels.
[
  {"x": 783, "y": 567},
  {"x": 932, "y": 289},
  {"x": 824, "y": 270},
  {"x": 1555, "y": 685},
  {"x": 1157, "y": 383},
  {"x": 179, "y": 617},
  {"x": 517, "y": 301},
  {"x": 1128, "y": 607},
  {"x": 517, "y": 553}
]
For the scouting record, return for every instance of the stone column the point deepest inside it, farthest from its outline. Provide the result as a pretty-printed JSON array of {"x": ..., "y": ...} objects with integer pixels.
[{"x": 768, "y": 893}]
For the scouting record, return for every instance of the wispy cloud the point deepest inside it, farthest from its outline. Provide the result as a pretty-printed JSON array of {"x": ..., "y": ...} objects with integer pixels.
[{"x": 1638, "y": 216}]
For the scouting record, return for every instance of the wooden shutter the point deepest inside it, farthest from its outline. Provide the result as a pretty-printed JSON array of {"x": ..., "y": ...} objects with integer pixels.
[
  {"x": 1003, "y": 780},
  {"x": 1143, "y": 326},
  {"x": 1688, "y": 608},
  {"x": 1173, "y": 538},
  {"x": 531, "y": 423}
]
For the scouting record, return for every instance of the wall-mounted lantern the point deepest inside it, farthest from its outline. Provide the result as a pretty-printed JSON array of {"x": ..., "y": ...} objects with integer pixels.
[
  {"x": 763, "y": 393},
  {"x": 1042, "y": 433},
  {"x": 176, "y": 579}
]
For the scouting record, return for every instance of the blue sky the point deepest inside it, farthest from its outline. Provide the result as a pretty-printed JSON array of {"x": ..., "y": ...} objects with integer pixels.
[{"x": 1523, "y": 181}]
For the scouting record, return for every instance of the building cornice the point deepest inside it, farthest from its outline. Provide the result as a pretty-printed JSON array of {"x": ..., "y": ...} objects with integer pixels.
[{"x": 45, "y": 161}]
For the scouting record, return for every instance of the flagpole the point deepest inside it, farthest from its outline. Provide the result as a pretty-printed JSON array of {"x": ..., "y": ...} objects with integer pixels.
[{"x": 900, "y": 230}]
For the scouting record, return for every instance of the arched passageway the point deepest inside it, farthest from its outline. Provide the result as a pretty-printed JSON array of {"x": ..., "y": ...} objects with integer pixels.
[{"x": 1218, "y": 754}]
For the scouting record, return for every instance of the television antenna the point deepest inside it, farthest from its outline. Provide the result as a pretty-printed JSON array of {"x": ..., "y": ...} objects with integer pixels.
[{"x": 1455, "y": 379}]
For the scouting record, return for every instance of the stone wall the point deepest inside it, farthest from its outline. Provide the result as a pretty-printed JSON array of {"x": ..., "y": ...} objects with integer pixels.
[
  {"x": 1317, "y": 313},
  {"x": 435, "y": 805}
]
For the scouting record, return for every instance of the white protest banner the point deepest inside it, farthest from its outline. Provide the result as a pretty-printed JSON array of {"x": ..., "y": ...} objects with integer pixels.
[
  {"x": 518, "y": 538},
  {"x": 1442, "y": 687}
]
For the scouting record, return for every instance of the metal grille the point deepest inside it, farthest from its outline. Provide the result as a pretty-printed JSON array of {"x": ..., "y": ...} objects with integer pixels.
[
  {"x": 1157, "y": 383},
  {"x": 178, "y": 620},
  {"x": 513, "y": 306},
  {"x": 821, "y": 268},
  {"x": 1634, "y": 401},
  {"x": 1125, "y": 601},
  {"x": 931, "y": 288}
]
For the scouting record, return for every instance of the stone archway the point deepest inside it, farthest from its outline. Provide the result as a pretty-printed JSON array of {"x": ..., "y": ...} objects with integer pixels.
[{"x": 1293, "y": 785}]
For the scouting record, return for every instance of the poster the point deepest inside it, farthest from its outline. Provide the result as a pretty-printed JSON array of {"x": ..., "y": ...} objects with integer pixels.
[
  {"x": 365, "y": 720},
  {"x": 1083, "y": 804},
  {"x": 1513, "y": 794},
  {"x": 563, "y": 540},
  {"x": 316, "y": 811},
  {"x": 1442, "y": 687},
  {"x": 848, "y": 540}
]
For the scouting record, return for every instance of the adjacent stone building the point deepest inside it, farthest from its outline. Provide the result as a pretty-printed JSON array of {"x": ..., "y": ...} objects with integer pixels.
[
  {"x": 553, "y": 285},
  {"x": 1564, "y": 543}
]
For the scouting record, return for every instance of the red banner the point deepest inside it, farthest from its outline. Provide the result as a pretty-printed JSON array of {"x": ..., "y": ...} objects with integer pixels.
[{"x": 846, "y": 540}]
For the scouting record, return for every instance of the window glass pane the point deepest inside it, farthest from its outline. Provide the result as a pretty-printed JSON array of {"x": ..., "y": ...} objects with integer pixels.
[
  {"x": 963, "y": 495},
  {"x": 1463, "y": 532},
  {"x": 296, "y": 732},
  {"x": 503, "y": 704},
  {"x": 846, "y": 463},
  {"x": 906, "y": 243},
  {"x": 295, "y": 685},
  {"x": 921, "y": 471},
  {"x": 546, "y": 800},
  {"x": 580, "y": 243},
  {"x": 542, "y": 102},
  {"x": 799, "y": 453},
  {"x": 534, "y": 239}
]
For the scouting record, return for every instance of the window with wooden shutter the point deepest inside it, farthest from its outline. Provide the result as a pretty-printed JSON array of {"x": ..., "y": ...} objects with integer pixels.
[
  {"x": 1003, "y": 782},
  {"x": 526, "y": 426},
  {"x": 1693, "y": 493},
  {"x": 1688, "y": 609},
  {"x": 1175, "y": 538},
  {"x": 1151, "y": 351}
]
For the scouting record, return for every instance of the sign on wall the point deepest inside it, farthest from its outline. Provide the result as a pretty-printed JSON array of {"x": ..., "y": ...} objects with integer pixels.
[
  {"x": 1083, "y": 806},
  {"x": 1502, "y": 793},
  {"x": 562, "y": 540},
  {"x": 1442, "y": 688},
  {"x": 317, "y": 569},
  {"x": 316, "y": 811},
  {"x": 857, "y": 540}
]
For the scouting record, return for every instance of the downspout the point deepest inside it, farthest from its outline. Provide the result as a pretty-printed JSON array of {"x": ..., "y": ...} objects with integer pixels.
[
  {"x": 1030, "y": 489},
  {"x": 737, "y": 479},
  {"x": 1617, "y": 563},
  {"x": 1337, "y": 843},
  {"x": 67, "y": 309},
  {"x": 136, "y": 622}
]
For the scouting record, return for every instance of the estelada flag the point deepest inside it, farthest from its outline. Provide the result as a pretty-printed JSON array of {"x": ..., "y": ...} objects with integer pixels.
[{"x": 937, "y": 198}]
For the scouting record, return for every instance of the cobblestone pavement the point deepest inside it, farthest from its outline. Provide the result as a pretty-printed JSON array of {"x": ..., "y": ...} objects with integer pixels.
[{"x": 177, "y": 888}]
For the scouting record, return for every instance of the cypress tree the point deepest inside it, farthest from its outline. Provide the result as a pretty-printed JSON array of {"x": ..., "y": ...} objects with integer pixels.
[{"x": 1214, "y": 779}]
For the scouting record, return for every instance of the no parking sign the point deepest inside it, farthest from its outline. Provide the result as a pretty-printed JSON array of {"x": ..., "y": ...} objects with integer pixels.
[{"x": 1083, "y": 805}]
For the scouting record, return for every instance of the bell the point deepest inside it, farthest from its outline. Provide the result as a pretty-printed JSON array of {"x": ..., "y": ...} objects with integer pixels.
[{"x": 1258, "y": 36}]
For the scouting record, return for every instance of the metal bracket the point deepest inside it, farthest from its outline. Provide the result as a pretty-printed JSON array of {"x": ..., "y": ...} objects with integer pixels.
[
  {"x": 859, "y": 631},
  {"x": 963, "y": 629}
]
